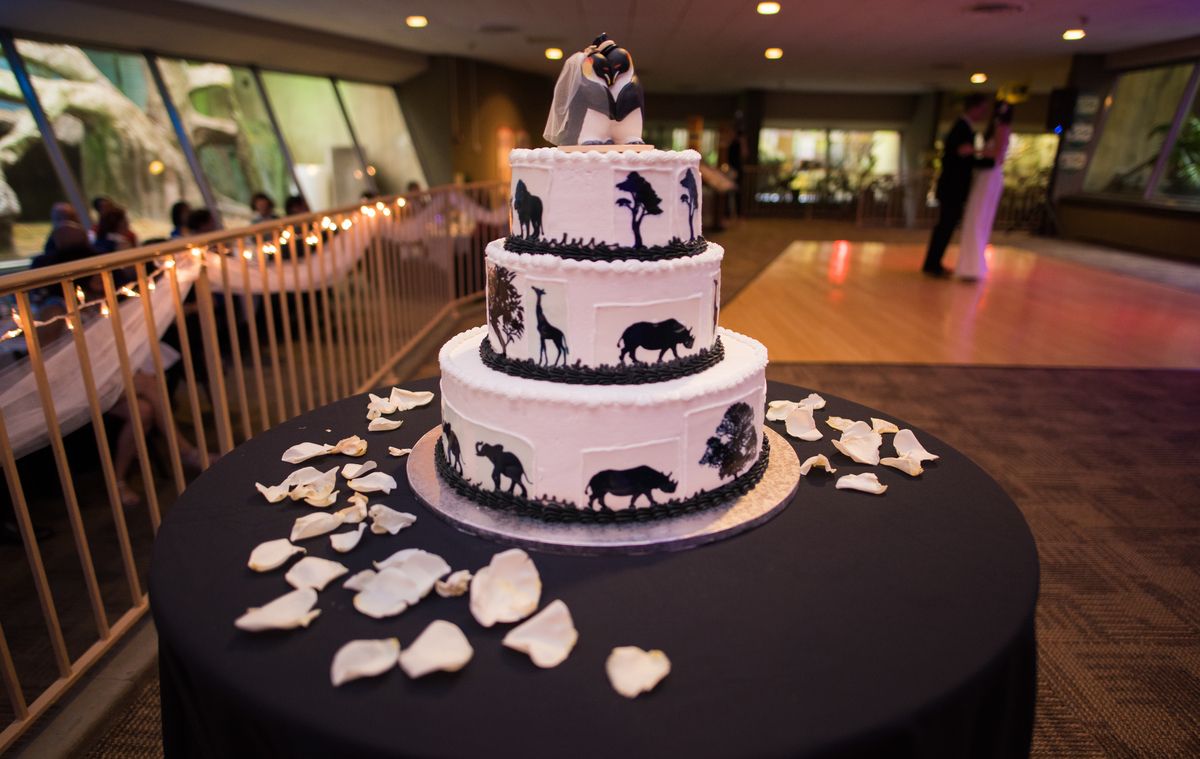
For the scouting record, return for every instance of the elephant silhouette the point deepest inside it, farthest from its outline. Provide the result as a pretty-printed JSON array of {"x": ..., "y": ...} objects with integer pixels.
[{"x": 504, "y": 463}]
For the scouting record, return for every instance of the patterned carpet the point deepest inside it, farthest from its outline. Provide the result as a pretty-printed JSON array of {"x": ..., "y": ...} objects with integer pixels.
[{"x": 1105, "y": 465}]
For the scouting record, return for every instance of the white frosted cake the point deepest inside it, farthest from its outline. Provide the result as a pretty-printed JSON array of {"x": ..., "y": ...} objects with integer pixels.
[{"x": 600, "y": 388}]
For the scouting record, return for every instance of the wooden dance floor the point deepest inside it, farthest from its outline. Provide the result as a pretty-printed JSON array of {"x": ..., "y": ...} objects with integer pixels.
[{"x": 866, "y": 302}]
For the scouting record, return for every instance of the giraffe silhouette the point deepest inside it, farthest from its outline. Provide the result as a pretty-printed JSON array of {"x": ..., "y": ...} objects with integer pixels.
[{"x": 547, "y": 331}]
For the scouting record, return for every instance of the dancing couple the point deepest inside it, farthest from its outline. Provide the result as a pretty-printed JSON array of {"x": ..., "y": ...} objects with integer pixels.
[{"x": 969, "y": 188}]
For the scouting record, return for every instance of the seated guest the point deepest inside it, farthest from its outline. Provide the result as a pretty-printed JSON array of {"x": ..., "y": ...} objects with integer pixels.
[
  {"x": 295, "y": 204},
  {"x": 62, "y": 215},
  {"x": 179, "y": 214},
  {"x": 112, "y": 231},
  {"x": 102, "y": 204},
  {"x": 201, "y": 221},
  {"x": 264, "y": 207}
]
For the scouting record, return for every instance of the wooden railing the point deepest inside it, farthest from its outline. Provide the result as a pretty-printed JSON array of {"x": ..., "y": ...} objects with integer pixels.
[{"x": 266, "y": 322}]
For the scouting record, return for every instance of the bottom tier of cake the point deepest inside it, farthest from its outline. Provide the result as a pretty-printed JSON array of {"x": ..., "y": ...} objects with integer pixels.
[{"x": 549, "y": 449}]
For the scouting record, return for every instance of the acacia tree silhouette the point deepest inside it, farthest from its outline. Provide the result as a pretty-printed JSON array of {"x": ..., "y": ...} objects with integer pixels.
[
  {"x": 645, "y": 202},
  {"x": 732, "y": 447},
  {"x": 690, "y": 199},
  {"x": 506, "y": 314}
]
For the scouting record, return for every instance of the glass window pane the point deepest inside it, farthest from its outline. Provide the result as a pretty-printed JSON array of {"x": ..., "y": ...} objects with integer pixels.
[
  {"x": 383, "y": 134},
  {"x": 1181, "y": 177},
  {"x": 28, "y": 185},
  {"x": 106, "y": 113},
  {"x": 228, "y": 125},
  {"x": 310, "y": 118},
  {"x": 1138, "y": 114}
]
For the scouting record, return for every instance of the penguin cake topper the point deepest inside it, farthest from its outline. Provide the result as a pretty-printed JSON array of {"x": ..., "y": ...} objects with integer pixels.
[{"x": 598, "y": 99}]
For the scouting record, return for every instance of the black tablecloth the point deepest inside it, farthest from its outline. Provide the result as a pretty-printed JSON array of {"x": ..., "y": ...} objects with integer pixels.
[{"x": 850, "y": 624}]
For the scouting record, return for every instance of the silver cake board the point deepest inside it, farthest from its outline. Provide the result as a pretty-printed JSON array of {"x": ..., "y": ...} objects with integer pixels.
[{"x": 769, "y": 497}]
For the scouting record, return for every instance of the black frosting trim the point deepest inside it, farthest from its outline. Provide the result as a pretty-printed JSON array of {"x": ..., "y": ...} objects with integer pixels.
[
  {"x": 554, "y": 510},
  {"x": 605, "y": 374},
  {"x": 579, "y": 250}
]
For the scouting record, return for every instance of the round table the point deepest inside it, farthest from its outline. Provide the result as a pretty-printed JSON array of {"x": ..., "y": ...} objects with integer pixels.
[{"x": 850, "y": 624}]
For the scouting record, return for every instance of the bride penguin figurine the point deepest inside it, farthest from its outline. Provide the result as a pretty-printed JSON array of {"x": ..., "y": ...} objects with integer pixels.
[{"x": 598, "y": 99}]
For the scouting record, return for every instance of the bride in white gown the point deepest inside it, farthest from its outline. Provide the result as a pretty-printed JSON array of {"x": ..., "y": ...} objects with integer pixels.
[{"x": 986, "y": 187}]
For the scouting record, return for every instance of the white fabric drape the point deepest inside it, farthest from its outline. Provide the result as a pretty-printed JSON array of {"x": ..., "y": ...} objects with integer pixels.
[{"x": 19, "y": 399}]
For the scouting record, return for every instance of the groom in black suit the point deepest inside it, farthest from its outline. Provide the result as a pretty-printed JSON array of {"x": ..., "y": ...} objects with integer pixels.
[{"x": 958, "y": 162}]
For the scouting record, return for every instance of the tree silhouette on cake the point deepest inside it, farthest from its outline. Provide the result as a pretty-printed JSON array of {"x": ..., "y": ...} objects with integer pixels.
[
  {"x": 644, "y": 201},
  {"x": 690, "y": 199},
  {"x": 733, "y": 447},
  {"x": 506, "y": 314}
]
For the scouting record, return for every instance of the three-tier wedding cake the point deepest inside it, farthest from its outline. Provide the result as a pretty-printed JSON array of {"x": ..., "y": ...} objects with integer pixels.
[{"x": 601, "y": 388}]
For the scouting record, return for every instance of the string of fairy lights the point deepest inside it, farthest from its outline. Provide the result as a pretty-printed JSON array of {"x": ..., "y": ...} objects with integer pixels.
[{"x": 83, "y": 304}]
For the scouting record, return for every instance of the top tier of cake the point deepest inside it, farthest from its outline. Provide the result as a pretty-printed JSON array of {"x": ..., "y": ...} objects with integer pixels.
[{"x": 608, "y": 203}]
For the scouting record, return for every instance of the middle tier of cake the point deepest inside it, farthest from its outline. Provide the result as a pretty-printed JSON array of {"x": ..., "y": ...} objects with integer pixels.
[
  {"x": 624, "y": 321},
  {"x": 592, "y": 448}
]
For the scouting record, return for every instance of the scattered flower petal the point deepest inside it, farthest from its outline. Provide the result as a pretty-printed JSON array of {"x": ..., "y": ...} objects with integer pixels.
[
  {"x": 355, "y": 513},
  {"x": 777, "y": 411},
  {"x": 387, "y": 594},
  {"x": 394, "y": 451},
  {"x": 379, "y": 406},
  {"x": 441, "y": 647},
  {"x": 314, "y": 572},
  {"x": 289, "y": 611},
  {"x": 547, "y": 636},
  {"x": 860, "y": 443},
  {"x": 633, "y": 671},
  {"x": 363, "y": 658},
  {"x": 883, "y": 426},
  {"x": 305, "y": 451},
  {"x": 383, "y": 424},
  {"x": 907, "y": 445},
  {"x": 314, "y": 524},
  {"x": 405, "y": 400},
  {"x": 314, "y": 484},
  {"x": 866, "y": 482},
  {"x": 374, "y": 482},
  {"x": 820, "y": 460},
  {"x": 455, "y": 585},
  {"x": 272, "y": 555},
  {"x": 390, "y": 521},
  {"x": 273, "y": 493},
  {"x": 351, "y": 446},
  {"x": 423, "y": 567},
  {"x": 840, "y": 424},
  {"x": 345, "y": 542},
  {"x": 323, "y": 501},
  {"x": 910, "y": 466},
  {"x": 800, "y": 424},
  {"x": 351, "y": 471},
  {"x": 813, "y": 402},
  {"x": 359, "y": 580},
  {"x": 506, "y": 590}
]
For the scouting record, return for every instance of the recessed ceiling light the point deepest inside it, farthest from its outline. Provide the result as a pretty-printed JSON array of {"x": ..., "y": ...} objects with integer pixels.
[
  {"x": 773, "y": 53},
  {"x": 554, "y": 53},
  {"x": 417, "y": 22},
  {"x": 768, "y": 9},
  {"x": 978, "y": 77},
  {"x": 1074, "y": 34}
]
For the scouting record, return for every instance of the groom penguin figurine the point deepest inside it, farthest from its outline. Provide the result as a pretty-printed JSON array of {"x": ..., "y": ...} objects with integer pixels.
[{"x": 598, "y": 99}]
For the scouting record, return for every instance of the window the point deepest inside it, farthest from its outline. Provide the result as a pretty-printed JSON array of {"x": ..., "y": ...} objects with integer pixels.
[
  {"x": 1181, "y": 175},
  {"x": 383, "y": 134},
  {"x": 327, "y": 165},
  {"x": 824, "y": 165},
  {"x": 1137, "y": 118},
  {"x": 27, "y": 185},
  {"x": 231, "y": 133},
  {"x": 106, "y": 113},
  {"x": 1030, "y": 158}
]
